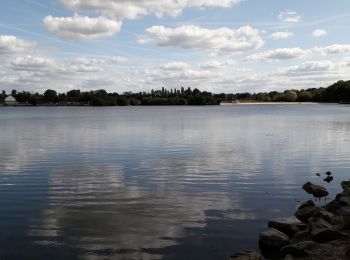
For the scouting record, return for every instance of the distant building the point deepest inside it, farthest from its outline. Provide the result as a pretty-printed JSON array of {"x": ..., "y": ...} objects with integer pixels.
[{"x": 10, "y": 100}]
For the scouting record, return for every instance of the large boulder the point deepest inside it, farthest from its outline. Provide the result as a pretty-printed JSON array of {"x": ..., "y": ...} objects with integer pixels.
[
  {"x": 301, "y": 236},
  {"x": 332, "y": 206},
  {"x": 346, "y": 186},
  {"x": 247, "y": 255},
  {"x": 325, "y": 235},
  {"x": 324, "y": 214},
  {"x": 316, "y": 190},
  {"x": 344, "y": 200},
  {"x": 306, "y": 204},
  {"x": 300, "y": 249},
  {"x": 304, "y": 214},
  {"x": 288, "y": 226},
  {"x": 271, "y": 241}
]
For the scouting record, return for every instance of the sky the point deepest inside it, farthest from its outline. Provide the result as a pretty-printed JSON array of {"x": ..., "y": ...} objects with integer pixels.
[{"x": 137, "y": 45}]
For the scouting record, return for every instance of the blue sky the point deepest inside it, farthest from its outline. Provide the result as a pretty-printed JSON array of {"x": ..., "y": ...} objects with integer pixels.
[{"x": 215, "y": 45}]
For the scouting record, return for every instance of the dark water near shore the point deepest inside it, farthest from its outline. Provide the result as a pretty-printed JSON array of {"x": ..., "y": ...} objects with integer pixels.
[{"x": 159, "y": 182}]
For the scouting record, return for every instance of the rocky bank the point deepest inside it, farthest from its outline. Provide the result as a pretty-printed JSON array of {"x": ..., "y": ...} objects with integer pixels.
[{"x": 313, "y": 233}]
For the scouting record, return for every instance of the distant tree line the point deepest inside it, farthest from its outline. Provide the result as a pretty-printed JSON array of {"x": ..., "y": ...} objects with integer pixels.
[{"x": 338, "y": 92}]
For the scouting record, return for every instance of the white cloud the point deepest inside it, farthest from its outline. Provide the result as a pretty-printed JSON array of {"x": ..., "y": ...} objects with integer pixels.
[
  {"x": 319, "y": 33},
  {"x": 277, "y": 54},
  {"x": 289, "y": 17},
  {"x": 81, "y": 27},
  {"x": 310, "y": 67},
  {"x": 128, "y": 9},
  {"x": 281, "y": 35},
  {"x": 298, "y": 53},
  {"x": 11, "y": 44},
  {"x": 221, "y": 41}
]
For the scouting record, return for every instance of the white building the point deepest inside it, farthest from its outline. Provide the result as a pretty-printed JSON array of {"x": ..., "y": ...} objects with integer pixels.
[{"x": 10, "y": 100}]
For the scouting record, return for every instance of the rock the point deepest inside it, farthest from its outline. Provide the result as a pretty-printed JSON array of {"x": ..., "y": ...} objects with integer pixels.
[
  {"x": 332, "y": 206},
  {"x": 328, "y": 173},
  {"x": 346, "y": 186},
  {"x": 305, "y": 213},
  {"x": 308, "y": 203},
  {"x": 325, "y": 235},
  {"x": 271, "y": 240},
  {"x": 288, "y": 226},
  {"x": 324, "y": 214},
  {"x": 316, "y": 224},
  {"x": 343, "y": 212},
  {"x": 344, "y": 200},
  {"x": 301, "y": 236},
  {"x": 300, "y": 249},
  {"x": 247, "y": 255},
  {"x": 318, "y": 174},
  {"x": 328, "y": 179},
  {"x": 316, "y": 190},
  {"x": 288, "y": 257}
]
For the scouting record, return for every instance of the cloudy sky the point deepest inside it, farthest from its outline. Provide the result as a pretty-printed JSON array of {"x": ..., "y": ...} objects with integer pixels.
[{"x": 137, "y": 45}]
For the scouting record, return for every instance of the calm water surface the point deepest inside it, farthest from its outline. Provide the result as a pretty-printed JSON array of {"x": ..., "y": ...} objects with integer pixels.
[{"x": 159, "y": 182}]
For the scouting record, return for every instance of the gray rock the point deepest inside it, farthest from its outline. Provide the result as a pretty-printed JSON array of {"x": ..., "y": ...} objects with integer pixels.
[
  {"x": 317, "y": 224},
  {"x": 288, "y": 226},
  {"x": 300, "y": 249},
  {"x": 301, "y": 236},
  {"x": 343, "y": 212},
  {"x": 344, "y": 200},
  {"x": 305, "y": 213},
  {"x": 333, "y": 206},
  {"x": 316, "y": 190},
  {"x": 306, "y": 204},
  {"x": 346, "y": 186},
  {"x": 324, "y": 214},
  {"x": 325, "y": 235},
  {"x": 271, "y": 240},
  {"x": 247, "y": 255}
]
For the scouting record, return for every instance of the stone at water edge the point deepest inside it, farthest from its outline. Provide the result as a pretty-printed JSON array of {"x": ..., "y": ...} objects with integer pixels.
[
  {"x": 299, "y": 249},
  {"x": 333, "y": 206},
  {"x": 247, "y": 255},
  {"x": 308, "y": 203},
  {"x": 316, "y": 190},
  {"x": 346, "y": 186},
  {"x": 305, "y": 213},
  {"x": 271, "y": 240},
  {"x": 288, "y": 226},
  {"x": 326, "y": 235}
]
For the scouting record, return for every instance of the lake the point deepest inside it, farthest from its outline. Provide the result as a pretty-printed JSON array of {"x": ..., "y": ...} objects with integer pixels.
[{"x": 159, "y": 182}]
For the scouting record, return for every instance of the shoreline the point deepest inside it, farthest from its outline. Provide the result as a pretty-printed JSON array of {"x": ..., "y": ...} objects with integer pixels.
[{"x": 314, "y": 232}]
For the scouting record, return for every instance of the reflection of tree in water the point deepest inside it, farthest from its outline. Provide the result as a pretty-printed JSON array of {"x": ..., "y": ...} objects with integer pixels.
[{"x": 95, "y": 210}]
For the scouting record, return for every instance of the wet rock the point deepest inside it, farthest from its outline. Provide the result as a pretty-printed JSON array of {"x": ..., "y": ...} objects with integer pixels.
[
  {"x": 318, "y": 174},
  {"x": 325, "y": 235},
  {"x": 305, "y": 213},
  {"x": 247, "y": 255},
  {"x": 333, "y": 206},
  {"x": 301, "y": 236},
  {"x": 288, "y": 226},
  {"x": 308, "y": 203},
  {"x": 300, "y": 249},
  {"x": 328, "y": 179},
  {"x": 316, "y": 190},
  {"x": 271, "y": 240}
]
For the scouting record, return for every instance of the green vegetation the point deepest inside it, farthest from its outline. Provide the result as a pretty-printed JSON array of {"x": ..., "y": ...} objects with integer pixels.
[{"x": 339, "y": 92}]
